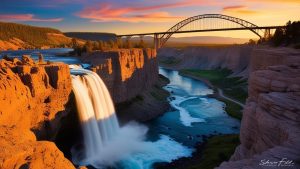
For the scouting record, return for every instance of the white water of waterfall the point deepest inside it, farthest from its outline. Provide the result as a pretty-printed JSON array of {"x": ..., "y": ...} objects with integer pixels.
[{"x": 105, "y": 143}]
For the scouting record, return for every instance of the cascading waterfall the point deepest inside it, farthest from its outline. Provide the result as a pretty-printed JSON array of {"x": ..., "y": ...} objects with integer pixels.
[
  {"x": 105, "y": 143},
  {"x": 96, "y": 111}
]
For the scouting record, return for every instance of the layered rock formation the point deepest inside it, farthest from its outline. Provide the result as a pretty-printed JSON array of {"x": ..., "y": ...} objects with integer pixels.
[
  {"x": 270, "y": 130},
  {"x": 126, "y": 72},
  {"x": 130, "y": 73},
  {"x": 235, "y": 58},
  {"x": 32, "y": 99}
]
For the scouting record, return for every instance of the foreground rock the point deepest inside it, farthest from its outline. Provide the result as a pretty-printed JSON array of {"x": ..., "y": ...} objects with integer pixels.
[
  {"x": 131, "y": 76},
  {"x": 32, "y": 99},
  {"x": 270, "y": 130}
]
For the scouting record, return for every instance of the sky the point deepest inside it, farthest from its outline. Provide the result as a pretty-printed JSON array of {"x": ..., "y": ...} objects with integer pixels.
[{"x": 139, "y": 16}]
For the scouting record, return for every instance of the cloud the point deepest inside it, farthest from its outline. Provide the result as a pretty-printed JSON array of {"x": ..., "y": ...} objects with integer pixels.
[
  {"x": 150, "y": 17},
  {"x": 276, "y": 1},
  {"x": 239, "y": 9},
  {"x": 105, "y": 12},
  {"x": 26, "y": 17}
]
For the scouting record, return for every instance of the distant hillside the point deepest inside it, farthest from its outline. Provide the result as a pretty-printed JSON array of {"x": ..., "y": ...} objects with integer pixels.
[
  {"x": 18, "y": 36},
  {"x": 196, "y": 40},
  {"x": 94, "y": 36}
]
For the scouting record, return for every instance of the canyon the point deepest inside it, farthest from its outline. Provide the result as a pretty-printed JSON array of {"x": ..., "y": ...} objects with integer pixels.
[
  {"x": 38, "y": 102},
  {"x": 270, "y": 125},
  {"x": 235, "y": 57},
  {"x": 37, "y": 97}
]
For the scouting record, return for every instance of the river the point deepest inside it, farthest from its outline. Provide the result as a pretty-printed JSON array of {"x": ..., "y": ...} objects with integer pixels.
[{"x": 193, "y": 116}]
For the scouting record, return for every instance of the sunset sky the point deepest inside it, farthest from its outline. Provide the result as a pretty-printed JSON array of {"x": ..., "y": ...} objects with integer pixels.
[{"x": 137, "y": 16}]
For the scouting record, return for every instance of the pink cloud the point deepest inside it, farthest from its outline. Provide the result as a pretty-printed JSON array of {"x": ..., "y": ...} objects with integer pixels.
[
  {"x": 108, "y": 12},
  {"x": 26, "y": 17},
  {"x": 239, "y": 9},
  {"x": 150, "y": 17}
]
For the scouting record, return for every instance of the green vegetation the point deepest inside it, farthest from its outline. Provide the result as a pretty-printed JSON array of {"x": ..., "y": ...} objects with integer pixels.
[
  {"x": 232, "y": 109},
  {"x": 100, "y": 45},
  {"x": 233, "y": 87},
  {"x": 170, "y": 61},
  {"x": 288, "y": 35},
  {"x": 35, "y": 36},
  {"x": 217, "y": 150}
]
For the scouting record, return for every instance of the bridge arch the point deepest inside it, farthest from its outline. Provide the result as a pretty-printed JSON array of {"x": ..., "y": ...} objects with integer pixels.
[{"x": 162, "y": 39}]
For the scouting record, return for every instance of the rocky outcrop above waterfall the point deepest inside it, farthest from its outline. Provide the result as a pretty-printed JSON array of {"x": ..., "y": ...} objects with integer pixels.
[
  {"x": 129, "y": 74},
  {"x": 235, "y": 58},
  {"x": 126, "y": 72},
  {"x": 32, "y": 98},
  {"x": 270, "y": 129}
]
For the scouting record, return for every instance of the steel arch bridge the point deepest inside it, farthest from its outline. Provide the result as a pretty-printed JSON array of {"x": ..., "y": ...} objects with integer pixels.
[{"x": 206, "y": 23}]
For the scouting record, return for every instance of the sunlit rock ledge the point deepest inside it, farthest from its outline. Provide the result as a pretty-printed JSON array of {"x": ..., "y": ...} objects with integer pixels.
[
  {"x": 126, "y": 72},
  {"x": 32, "y": 98}
]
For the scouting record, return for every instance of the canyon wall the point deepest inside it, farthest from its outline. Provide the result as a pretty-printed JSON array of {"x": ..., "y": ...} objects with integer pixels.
[
  {"x": 130, "y": 74},
  {"x": 235, "y": 58},
  {"x": 270, "y": 130},
  {"x": 126, "y": 72},
  {"x": 32, "y": 98}
]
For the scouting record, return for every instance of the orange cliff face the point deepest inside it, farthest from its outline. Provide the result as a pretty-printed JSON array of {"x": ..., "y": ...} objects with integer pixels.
[
  {"x": 32, "y": 102},
  {"x": 126, "y": 72}
]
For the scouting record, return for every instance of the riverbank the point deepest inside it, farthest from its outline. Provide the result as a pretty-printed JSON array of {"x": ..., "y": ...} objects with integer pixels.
[
  {"x": 208, "y": 154},
  {"x": 218, "y": 80},
  {"x": 147, "y": 105}
]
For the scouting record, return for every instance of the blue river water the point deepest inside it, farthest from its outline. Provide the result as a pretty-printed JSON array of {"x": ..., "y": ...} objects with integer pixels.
[{"x": 192, "y": 117}]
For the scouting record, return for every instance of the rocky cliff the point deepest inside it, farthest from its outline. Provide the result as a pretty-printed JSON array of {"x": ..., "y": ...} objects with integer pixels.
[
  {"x": 235, "y": 58},
  {"x": 130, "y": 75},
  {"x": 32, "y": 99},
  {"x": 270, "y": 130}
]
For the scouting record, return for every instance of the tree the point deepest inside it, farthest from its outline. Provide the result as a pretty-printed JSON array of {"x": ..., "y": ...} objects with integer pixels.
[
  {"x": 120, "y": 43},
  {"x": 278, "y": 37},
  {"x": 101, "y": 45},
  {"x": 74, "y": 43},
  {"x": 96, "y": 45},
  {"x": 112, "y": 44},
  {"x": 127, "y": 44},
  {"x": 88, "y": 47},
  {"x": 251, "y": 42},
  {"x": 142, "y": 44}
]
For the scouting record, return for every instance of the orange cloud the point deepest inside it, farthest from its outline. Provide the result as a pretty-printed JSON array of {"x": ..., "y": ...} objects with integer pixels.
[
  {"x": 26, "y": 17},
  {"x": 108, "y": 12},
  {"x": 276, "y": 1},
  {"x": 239, "y": 9}
]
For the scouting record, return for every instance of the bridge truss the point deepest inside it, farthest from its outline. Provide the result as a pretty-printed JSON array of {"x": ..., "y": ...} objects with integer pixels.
[{"x": 206, "y": 23}]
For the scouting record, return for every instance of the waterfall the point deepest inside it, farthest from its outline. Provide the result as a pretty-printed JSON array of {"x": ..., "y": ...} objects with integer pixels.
[
  {"x": 96, "y": 113},
  {"x": 105, "y": 143}
]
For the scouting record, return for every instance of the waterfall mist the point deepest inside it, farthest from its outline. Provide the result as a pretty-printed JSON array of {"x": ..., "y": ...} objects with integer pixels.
[{"x": 105, "y": 143}]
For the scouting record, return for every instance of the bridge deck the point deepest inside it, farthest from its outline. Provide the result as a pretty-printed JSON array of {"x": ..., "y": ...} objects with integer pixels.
[{"x": 203, "y": 30}]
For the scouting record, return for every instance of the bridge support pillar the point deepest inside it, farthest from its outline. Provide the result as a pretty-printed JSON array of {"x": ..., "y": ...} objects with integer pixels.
[
  {"x": 156, "y": 41},
  {"x": 267, "y": 34}
]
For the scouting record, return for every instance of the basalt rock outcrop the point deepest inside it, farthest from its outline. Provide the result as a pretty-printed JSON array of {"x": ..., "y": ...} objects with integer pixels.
[
  {"x": 130, "y": 75},
  {"x": 235, "y": 58},
  {"x": 32, "y": 103},
  {"x": 270, "y": 130}
]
